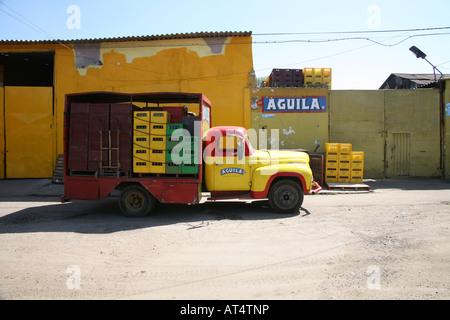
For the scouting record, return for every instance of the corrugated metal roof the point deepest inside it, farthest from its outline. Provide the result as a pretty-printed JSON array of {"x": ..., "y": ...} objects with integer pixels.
[
  {"x": 136, "y": 38},
  {"x": 411, "y": 80}
]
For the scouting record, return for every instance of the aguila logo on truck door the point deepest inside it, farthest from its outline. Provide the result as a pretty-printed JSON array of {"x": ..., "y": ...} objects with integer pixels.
[{"x": 231, "y": 170}]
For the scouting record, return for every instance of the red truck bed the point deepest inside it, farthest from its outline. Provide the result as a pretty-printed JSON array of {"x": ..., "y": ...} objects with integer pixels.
[{"x": 98, "y": 145}]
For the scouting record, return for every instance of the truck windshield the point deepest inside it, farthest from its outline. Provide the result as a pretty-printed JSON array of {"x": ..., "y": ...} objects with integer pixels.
[{"x": 251, "y": 150}]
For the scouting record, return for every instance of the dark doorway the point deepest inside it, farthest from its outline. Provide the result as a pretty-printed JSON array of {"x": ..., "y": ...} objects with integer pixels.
[{"x": 31, "y": 69}]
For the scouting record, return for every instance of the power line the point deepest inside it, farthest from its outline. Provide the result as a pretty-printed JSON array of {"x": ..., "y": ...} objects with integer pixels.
[
  {"x": 348, "y": 32},
  {"x": 34, "y": 27}
]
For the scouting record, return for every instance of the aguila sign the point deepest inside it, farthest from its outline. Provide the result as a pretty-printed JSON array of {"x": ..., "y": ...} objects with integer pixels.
[{"x": 295, "y": 104}]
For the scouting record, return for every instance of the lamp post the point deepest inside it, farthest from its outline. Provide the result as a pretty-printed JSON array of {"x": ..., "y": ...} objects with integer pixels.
[{"x": 419, "y": 54}]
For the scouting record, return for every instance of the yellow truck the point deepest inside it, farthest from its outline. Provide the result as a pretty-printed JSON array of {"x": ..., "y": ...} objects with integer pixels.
[{"x": 153, "y": 148}]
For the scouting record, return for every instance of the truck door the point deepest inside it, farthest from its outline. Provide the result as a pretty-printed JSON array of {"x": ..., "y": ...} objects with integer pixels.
[{"x": 231, "y": 169}]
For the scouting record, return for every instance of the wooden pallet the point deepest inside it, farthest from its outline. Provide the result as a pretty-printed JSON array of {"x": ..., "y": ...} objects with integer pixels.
[{"x": 347, "y": 186}]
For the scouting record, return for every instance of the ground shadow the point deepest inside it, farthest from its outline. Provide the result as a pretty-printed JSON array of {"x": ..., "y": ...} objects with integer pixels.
[
  {"x": 104, "y": 216},
  {"x": 409, "y": 184}
]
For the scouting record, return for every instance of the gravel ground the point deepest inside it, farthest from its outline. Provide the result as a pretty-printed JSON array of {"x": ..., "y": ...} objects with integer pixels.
[{"x": 392, "y": 242}]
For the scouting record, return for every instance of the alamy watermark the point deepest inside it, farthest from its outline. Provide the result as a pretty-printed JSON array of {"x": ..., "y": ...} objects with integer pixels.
[
  {"x": 73, "y": 21},
  {"x": 224, "y": 146},
  {"x": 373, "y": 21},
  {"x": 374, "y": 277},
  {"x": 73, "y": 281}
]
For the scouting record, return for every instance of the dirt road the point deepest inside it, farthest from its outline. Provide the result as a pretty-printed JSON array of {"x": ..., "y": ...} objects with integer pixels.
[{"x": 390, "y": 243}]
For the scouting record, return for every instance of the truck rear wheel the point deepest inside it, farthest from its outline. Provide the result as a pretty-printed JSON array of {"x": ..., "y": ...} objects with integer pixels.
[
  {"x": 285, "y": 196},
  {"x": 135, "y": 201}
]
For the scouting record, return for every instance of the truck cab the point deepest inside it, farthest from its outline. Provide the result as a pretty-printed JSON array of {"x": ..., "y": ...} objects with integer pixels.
[{"x": 234, "y": 168}]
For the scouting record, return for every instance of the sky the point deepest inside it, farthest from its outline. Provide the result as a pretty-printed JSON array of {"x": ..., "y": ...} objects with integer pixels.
[{"x": 362, "y": 41}]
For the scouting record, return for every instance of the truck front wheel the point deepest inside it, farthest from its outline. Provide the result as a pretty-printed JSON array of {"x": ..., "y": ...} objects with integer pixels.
[
  {"x": 135, "y": 201},
  {"x": 285, "y": 196}
]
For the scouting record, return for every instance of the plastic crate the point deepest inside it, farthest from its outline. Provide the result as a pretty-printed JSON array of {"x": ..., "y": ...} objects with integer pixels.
[
  {"x": 173, "y": 167},
  {"x": 159, "y": 117},
  {"x": 141, "y": 129},
  {"x": 358, "y": 164},
  {"x": 357, "y": 175},
  {"x": 172, "y": 156},
  {"x": 344, "y": 172},
  {"x": 141, "y": 154},
  {"x": 331, "y": 178},
  {"x": 344, "y": 175},
  {"x": 345, "y": 147},
  {"x": 140, "y": 166},
  {"x": 142, "y": 116},
  {"x": 357, "y": 171},
  {"x": 345, "y": 164},
  {"x": 191, "y": 168},
  {"x": 327, "y": 76},
  {"x": 157, "y": 167},
  {"x": 157, "y": 155},
  {"x": 331, "y": 172},
  {"x": 172, "y": 141},
  {"x": 190, "y": 155},
  {"x": 158, "y": 142},
  {"x": 344, "y": 179},
  {"x": 332, "y": 156},
  {"x": 358, "y": 155},
  {"x": 308, "y": 75},
  {"x": 191, "y": 139},
  {"x": 345, "y": 156},
  {"x": 332, "y": 163},
  {"x": 141, "y": 141},
  {"x": 158, "y": 129},
  {"x": 171, "y": 127},
  {"x": 317, "y": 75},
  {"x": 332, "y": 147}
]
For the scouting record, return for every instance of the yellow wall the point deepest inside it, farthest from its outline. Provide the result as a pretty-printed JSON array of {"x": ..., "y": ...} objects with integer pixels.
[
  {"x": 357, "y": 117},
  {"x": 371, "y": 119},
  {"x": 181, "y": 65},
  {"x": 296, "y": 130}
]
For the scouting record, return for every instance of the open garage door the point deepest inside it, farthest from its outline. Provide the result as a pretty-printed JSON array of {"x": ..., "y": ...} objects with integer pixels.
[{"x": 29, "y": 141}]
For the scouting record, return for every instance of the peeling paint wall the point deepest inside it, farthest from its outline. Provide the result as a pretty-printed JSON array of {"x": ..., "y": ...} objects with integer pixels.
[{"x": 217, "y": 67}]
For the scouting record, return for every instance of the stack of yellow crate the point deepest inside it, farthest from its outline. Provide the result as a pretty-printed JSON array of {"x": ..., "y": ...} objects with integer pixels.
[
  {"x": 158, "y": 140},
  {"x": 343, "y": 165},
  {"x": 332, "y": 162},
  {"x": 153, "y": 143},
  {"x": 141, "y": 142},
  {"x": 314, "y": 76},
  {"x": 149, "y": 141},
  {"x": 357, "y": 166}
]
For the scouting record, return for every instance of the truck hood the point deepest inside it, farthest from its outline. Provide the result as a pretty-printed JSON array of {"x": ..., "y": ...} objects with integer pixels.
[{"x": 282, "y": 156}]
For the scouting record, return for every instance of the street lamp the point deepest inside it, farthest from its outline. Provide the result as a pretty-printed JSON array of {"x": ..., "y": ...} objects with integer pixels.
[{"x": 419, "y": 54}]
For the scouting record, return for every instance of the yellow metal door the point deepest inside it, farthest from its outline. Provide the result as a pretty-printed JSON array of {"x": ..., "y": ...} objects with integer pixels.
[
  {"x": 29, "y": 132},
  {"x": 231, "y": 174},
  {"x": 398, "y": 155}
]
